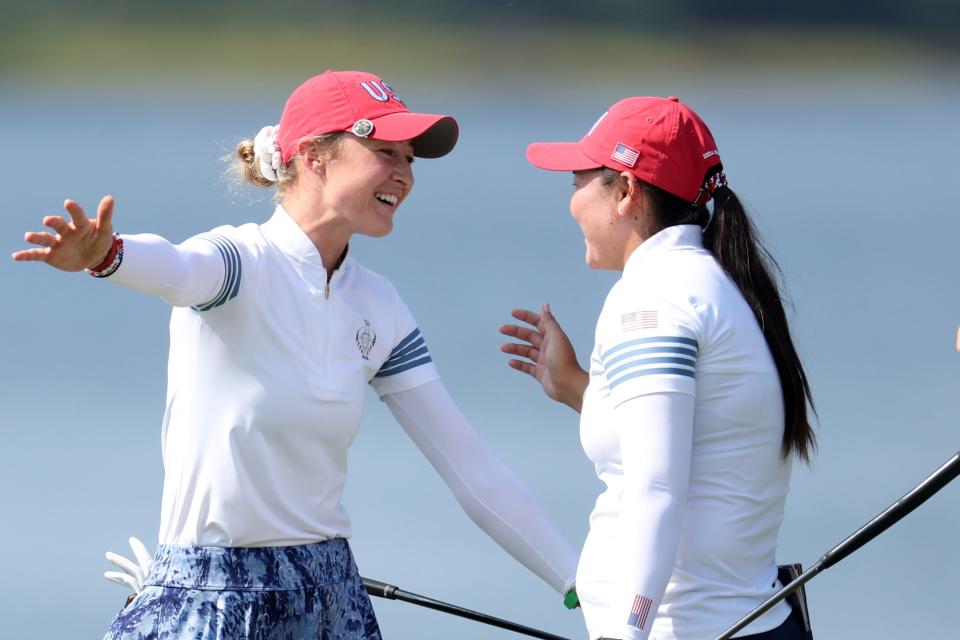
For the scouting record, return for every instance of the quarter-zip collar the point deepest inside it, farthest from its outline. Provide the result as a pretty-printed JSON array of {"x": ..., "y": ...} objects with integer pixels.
[
  {"x": 287, "y": 235},
  {"x": 678, "y": 237}
]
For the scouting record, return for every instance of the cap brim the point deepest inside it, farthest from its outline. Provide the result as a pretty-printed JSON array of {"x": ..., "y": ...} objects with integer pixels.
[
  {"x": 559, "y": 156},
  {"x": 432, "y": 135}
]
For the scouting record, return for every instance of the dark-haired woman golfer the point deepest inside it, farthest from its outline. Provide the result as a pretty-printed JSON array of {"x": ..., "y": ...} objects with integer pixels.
[{"x": 695, "y": 401}]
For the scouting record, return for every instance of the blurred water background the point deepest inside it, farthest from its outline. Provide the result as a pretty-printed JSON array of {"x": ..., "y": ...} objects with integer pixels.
[{"x": 838, "y": 126}]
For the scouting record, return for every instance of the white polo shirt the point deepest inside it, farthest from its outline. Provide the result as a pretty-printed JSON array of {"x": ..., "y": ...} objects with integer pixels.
[
  {"x": 675, "y": 326},
  {"x": 267, "y": 372}
]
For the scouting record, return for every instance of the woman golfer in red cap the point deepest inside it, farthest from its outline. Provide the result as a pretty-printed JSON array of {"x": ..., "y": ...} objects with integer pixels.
[
  {"x": 275, "y": 333},
  {"x": 694, "y": 402}
]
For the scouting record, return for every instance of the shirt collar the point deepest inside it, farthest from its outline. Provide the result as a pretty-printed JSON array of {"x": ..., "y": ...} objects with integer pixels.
[
  {"x": 287, "y": 235},
  {"x": 683, "y": 236}
]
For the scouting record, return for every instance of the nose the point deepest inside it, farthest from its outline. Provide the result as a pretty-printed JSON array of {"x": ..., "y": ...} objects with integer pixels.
[{"x": 403, "y": 173}]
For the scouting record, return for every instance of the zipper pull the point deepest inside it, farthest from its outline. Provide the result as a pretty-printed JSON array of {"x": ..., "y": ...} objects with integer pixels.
[{"x": 326, "y": 291}]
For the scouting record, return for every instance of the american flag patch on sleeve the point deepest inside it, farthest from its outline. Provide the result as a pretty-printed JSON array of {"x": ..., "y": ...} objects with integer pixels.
[
  {"x": 639, "y": 611},
  {"x": 639, "y": 320}
]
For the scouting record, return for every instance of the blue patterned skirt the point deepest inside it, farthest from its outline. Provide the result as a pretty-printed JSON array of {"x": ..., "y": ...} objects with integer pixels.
[{"x": 303, "y": 592}]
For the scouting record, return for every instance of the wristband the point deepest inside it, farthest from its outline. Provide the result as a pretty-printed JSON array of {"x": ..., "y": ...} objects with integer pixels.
[{"x": 111, "y": 262}]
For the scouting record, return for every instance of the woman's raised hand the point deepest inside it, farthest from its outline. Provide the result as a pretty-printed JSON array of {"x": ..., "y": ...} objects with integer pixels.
[
  {"x": 81, "y": 243},
  {"x": 550, "y": 357}
]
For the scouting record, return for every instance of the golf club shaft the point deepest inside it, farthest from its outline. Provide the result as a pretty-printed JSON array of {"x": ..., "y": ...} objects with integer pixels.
[
  {"x": 890, "y": 516},
  {"x": 391, "y": 592},
  {"x": 895, "y": 512}
]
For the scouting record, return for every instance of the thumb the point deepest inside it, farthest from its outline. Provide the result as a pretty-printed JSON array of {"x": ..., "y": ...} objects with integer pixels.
[
  {"x": 546, "y": 317},
  {"x": 105, "y": 215}
]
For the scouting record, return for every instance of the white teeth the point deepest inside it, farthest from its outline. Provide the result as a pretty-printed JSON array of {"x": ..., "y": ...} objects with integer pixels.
[{"x": 389, "y": 198}]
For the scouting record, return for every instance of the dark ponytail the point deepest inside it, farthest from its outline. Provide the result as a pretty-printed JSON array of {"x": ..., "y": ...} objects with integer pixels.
[{"x": 732, "y": 239}]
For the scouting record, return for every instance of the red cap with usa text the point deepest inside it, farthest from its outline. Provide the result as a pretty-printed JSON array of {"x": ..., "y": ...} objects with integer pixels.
[
  {"x": 659, "y": 140},
  {"x": 365, "y": 105}
]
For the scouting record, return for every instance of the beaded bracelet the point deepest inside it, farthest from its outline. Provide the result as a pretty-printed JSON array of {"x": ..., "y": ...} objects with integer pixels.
[{"x": 111, "y": 262}]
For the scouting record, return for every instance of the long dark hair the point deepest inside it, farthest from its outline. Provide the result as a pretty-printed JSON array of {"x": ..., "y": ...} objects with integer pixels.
[{"x": 733, "y": 240}]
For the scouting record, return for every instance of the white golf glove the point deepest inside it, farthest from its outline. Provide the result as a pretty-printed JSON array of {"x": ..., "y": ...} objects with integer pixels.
[{"x": 130, "y": 574}]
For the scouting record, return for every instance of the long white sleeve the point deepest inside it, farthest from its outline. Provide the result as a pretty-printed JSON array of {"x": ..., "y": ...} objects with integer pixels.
[
  {"x": 494, "y": 498},
  {"x": 656, "y": 436},
  {"x": 188, "y": 274}
]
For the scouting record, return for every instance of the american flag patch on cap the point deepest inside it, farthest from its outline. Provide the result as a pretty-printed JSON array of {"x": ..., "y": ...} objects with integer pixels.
[
  {"x": 639, "y": 320},
  {"x": 625, "y": 155}
]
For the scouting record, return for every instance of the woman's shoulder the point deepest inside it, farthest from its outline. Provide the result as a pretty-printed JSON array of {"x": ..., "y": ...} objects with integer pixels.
[
  {"x": 681, "y": 277},
  {"x": 368, "y": 279},
  {"x": 247, "y": 234}
]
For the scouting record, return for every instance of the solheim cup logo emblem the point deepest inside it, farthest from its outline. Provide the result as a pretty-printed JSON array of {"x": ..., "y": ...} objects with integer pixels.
[{"x": 366, "y": 338}]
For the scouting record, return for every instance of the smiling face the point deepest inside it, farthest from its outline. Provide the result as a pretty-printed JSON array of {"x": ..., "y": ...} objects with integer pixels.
[
  {"x": 594, "y": 206},
  {"x": 366, "y": 180}
]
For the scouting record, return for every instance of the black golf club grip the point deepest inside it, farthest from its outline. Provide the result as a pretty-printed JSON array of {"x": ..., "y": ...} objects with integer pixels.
[
  {"x": 913, "y": 499},
  {"x": 379, "y": 589}
]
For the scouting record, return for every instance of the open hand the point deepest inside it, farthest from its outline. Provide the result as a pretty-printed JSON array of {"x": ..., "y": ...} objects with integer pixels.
[
  {"x": 81, "y": 243},
  {"x": 549, "y": 355}
]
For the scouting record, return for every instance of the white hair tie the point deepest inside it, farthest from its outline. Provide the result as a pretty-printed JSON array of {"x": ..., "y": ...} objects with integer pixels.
[{"x": 266, "y": 152}]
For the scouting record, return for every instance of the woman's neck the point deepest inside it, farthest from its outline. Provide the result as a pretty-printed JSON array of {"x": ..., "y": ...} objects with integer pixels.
[{"x": 325, "y": 229}]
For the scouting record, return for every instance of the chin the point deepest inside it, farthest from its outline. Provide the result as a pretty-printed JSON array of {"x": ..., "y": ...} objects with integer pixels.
[
  {"x": 592, "y": 261},
  {"x": 380, "y": 231},
  {"x": 596, "y": 262}
]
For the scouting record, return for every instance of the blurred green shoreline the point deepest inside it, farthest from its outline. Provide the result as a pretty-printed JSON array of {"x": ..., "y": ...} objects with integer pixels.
[{"x": 130, "y": 54}]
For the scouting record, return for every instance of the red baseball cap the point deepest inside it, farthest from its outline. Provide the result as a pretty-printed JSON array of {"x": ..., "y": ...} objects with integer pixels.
[
  {"x": 659, "y": 140},
  {"x": 365, "y": 105}
]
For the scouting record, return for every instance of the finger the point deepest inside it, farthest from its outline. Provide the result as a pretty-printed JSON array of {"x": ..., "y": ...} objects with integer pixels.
[
  {"x": 522, "y": 350},
  {"x": 105, "y": 213},
  {"x": 527, "y": 316},
  {"x": 77, "y": 215},
  {"x": 144, "y": 559},
  {"x": 523, "y": 333},
  {"x": 525, "y": 367},
  {"x": 31, "y": 255},
  {"x": 41, "y": 238},
  {"x": 57, "y": 223},
  {"x": 547, "y": 316},
  {"x": 121, "y": 578}
]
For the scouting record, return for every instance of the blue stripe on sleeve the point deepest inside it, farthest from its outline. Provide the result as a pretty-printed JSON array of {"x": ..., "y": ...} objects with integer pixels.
[
  {"x": 683, "y": 351},
  {"x": 645, "y": 361},
  {"x": 672, "y": 356},
  {"x": 232, "y": 270},
  {"x": 403, "y": 367},
  {"x": 670, "y": 371},
  {"x": 393, "y": 362},
  {"x": 651, "y": 340},
  {"x": 409, "y": 353},
  {"x": 413, "y": 346},
  {"x": 403, "y": 343}
]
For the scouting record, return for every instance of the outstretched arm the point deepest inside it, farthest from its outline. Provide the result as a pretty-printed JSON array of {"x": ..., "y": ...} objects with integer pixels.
[
  {"x": 549, "y": 356},
  {"x": 494, "y": 498},
  {"x": 192, "y": 273}
]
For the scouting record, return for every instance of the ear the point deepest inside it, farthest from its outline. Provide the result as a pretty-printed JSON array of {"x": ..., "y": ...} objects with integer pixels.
[
  {"x": 310, "y": 159},
  {"x": 628, "y": 194}
]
